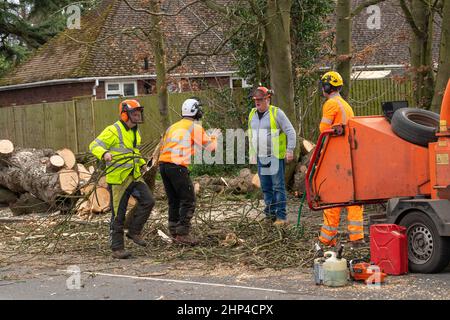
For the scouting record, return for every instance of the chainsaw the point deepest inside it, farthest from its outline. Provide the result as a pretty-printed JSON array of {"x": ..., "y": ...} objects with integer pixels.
[{"x": 363, "y": 271}]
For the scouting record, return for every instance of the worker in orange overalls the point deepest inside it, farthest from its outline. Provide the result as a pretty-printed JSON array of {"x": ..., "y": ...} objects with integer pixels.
[
  {"x": 178, "y": 146},
  {"x": 337, "y": 111}
]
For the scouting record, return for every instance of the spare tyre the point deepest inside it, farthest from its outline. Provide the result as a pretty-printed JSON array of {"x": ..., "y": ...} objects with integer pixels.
[{"x": 417, "y": 126}]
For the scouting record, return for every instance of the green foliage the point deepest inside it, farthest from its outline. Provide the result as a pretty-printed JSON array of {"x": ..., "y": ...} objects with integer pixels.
[
  {"x": 27, "y": 25},
  {"x": 308, "y": 21},
  {"x": 217, "y": 170}
]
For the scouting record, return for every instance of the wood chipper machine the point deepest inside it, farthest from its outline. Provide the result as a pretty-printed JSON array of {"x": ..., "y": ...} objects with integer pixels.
[{"x": 404, "y": 161}]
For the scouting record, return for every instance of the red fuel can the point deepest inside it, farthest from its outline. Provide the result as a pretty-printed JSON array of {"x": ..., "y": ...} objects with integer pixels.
[{"x": 389, "y": 248}]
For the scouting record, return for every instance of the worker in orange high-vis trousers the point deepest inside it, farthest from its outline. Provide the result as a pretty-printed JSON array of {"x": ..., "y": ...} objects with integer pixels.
[
  {"x": 337, "y": 111},
  {"x": 179, "y": 143}
]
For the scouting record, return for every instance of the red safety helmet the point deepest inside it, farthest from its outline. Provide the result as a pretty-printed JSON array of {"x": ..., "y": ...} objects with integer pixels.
[
  {"x": 264, "y": 90},
  {"x": 128, "y": 105}
]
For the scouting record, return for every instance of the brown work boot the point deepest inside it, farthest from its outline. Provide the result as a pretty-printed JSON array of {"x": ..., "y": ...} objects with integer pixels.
[
  {"x": 280, "y": 223},
  {"x": 186, "y": 239},
  {"x": 137, "y": 239},
  {"x": 121, "y": 254}
]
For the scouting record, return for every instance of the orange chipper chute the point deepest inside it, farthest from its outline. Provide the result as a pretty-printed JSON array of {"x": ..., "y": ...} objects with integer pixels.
[{"x": 366, "y": 162}]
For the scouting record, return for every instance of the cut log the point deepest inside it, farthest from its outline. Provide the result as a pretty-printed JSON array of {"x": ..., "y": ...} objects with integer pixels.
[
  {"x": 55, "y": 163},
  {"x": 84, "y": 174},
  {"x": 256, "y": 182},
  {"x": 27, "y": 203},
  {"x": 87, "y": 189},
  {"x": 102, "y": 182},
  {"x": 150, "y": 176},
  {"x": 196, "y": 188},
  {"x": 308, "y": 145},
  {"x": 7, "y": 197},
  {"x": 68, "y": 156},
  {"x": 300, "y": 174},
  {"x": 100, "y": 200},
  {"x": 27, "y": 172},
  {"x": 68, "y": 180},
  {"x": 6, "y": 148}
]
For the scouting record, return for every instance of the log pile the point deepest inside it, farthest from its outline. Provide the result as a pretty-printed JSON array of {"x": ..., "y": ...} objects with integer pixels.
[
  {"x": 244, "y": 183},
  {"x": 37, "y": 180},
  {"x": 307, "y": 149}
]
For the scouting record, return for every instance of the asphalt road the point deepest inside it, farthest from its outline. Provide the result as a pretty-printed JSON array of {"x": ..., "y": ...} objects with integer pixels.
[{"x": 154, "y": 283}]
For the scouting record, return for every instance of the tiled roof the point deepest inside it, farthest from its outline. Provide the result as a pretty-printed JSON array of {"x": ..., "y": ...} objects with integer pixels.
[
  {"x": 110, "y": 44},
  {"x": 388, "y": 45},
  {"x": 106, "y": 46}
]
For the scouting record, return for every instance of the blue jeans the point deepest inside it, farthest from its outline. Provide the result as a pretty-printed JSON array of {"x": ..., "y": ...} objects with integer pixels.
[{"x": 271, "y": 174}]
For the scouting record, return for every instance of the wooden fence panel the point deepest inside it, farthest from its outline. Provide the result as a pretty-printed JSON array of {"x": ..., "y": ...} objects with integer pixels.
[
  {"x": 85, "y": 123},
  {"x": 74, "y": 124},
  {"x": 34, "y": 128},
  {"x": 106, "y": 112},
  {"x": 55, "y": 125},
  {"x": 70, "y": 126},
  {"x": 7, "y": 130}
]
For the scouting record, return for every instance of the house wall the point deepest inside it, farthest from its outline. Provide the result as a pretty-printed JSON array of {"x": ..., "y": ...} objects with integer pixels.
[
  {"x": 66, "y": 92},
  {"x": 53, "y": 93}
]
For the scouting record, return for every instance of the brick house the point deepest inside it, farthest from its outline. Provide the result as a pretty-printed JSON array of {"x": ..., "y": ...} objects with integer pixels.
[{"x": 106, "y": 59}]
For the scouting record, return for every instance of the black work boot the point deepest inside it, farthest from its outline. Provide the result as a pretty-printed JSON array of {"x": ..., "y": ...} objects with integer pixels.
[
  {"x": 137, "y": 239},
  {"x": 121, "y": 254},
  {"x": 186, "y": 239}
]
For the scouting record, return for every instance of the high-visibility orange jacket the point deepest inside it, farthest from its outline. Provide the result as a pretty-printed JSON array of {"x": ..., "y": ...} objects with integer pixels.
[
  {"x": 180, "y": 140},
  {"x": 335, "y": 111}
]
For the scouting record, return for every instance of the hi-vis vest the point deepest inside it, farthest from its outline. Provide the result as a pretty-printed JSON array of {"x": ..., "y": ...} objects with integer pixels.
[
  {"x": 335, "y": 111},
  {"x": 279, "y": 139},
  {"x": 181, "y": 140},
  {"x": 123, "y": 145}
]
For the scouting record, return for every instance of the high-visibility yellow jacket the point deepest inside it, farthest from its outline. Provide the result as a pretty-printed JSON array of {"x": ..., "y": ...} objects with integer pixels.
[
  {"x": 277, "y": 137},
  {"x": 122, "y": 142},
  {"x": 180, "y": 140},
  {"x": 335, "y": 111}
]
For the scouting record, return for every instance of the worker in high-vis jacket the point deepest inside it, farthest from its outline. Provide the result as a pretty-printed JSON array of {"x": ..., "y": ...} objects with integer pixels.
[
  {"x": 272, "y": 141},
  {"x": 118, "y": 146},
  {"x": 178, "y": 146},
  {"x": 337, "y": 111}
]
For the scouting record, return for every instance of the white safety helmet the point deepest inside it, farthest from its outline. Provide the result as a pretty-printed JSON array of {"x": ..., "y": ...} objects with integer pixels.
[{"x": 192, "y": 107}]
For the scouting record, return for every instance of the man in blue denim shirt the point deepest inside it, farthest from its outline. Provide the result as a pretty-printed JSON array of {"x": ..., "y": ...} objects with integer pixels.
[{"x": 272, "y": 140}]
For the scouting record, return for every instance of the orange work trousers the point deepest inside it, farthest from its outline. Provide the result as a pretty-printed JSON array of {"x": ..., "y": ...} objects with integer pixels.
[{"x": 331, "y": 218}]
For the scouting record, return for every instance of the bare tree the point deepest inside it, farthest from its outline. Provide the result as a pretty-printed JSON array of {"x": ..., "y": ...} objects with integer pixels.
[{"x": 443, "y": 73}]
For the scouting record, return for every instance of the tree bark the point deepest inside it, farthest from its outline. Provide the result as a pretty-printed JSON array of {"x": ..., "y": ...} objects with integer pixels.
[
  {"x": 27, "y": 173},
  {"x": 278, "y": 46},
  {"x": 443, "y": 74},
  {"x": 27, "y": 203},
  {"x": 157, "y": 41},
  {"x": 420, "y": 17},
  {"x": 343, "y": 43}
]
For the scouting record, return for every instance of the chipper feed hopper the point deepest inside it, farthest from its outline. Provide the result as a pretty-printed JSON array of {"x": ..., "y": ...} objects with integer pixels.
[{"x": 404, "y": 161}]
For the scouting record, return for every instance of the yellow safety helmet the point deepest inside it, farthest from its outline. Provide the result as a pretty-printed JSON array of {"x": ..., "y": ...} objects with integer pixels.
[{"x": 331, "y": 79}]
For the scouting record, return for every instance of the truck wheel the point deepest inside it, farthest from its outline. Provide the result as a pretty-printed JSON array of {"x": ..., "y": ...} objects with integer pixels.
[
  {"x": 427, "y": 251},
  {"x": 417, "y": 126}
]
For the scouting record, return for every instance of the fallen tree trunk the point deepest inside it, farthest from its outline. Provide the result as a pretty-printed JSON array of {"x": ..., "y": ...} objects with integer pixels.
[
  {"x": 7, "y": 197},
  {"x": 27, "y": 171},
  {"x": 300, "y": 173},
  {"x": 27, "y": 203}
]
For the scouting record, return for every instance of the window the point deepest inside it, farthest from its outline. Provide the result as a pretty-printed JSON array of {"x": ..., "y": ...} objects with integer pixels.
[
  {"x": 239, "y": 83},
  {"x": 121, "y": 89}
]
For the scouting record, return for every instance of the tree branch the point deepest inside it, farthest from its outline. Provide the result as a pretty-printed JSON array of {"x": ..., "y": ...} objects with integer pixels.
[
  {"x": 161, "y": 13},
  {"x": 214, "y": 52},
  {"x": 410, "y": 19}
]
